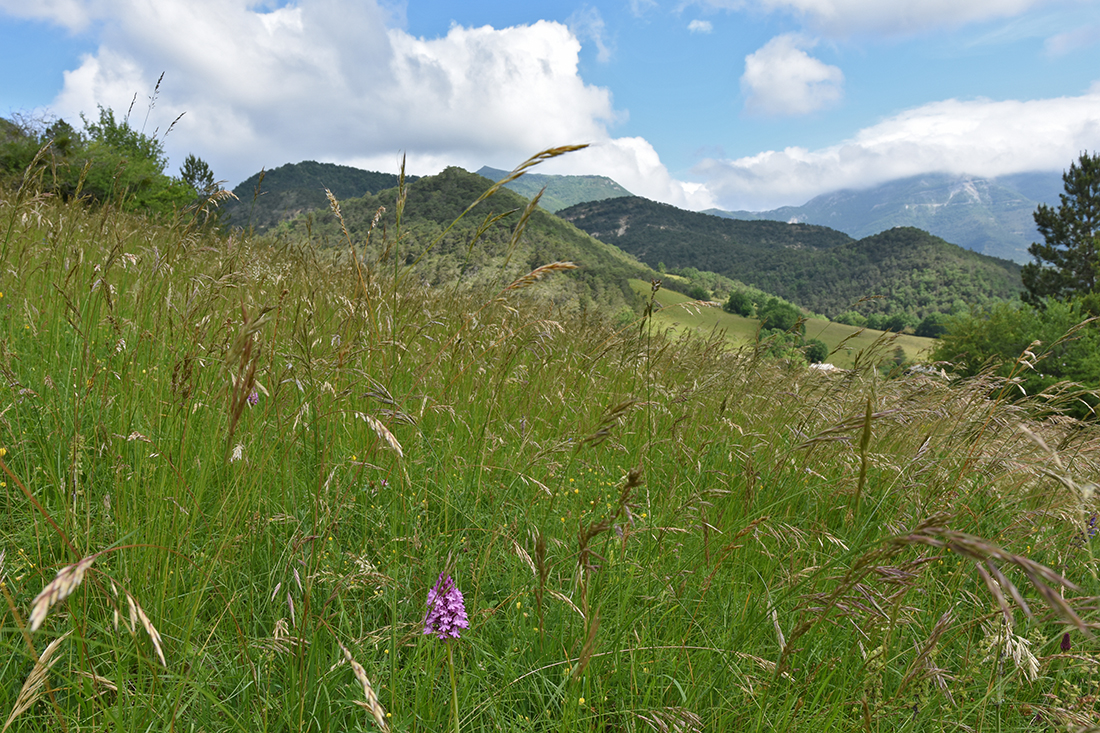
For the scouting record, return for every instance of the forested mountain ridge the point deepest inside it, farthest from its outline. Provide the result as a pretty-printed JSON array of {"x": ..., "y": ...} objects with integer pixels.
[
  {"x": 298, "y": 188},
  {"x": 816, "y": 267},
  {"x": 561, "y": 191},
  {"x": 434, "y": 202}
]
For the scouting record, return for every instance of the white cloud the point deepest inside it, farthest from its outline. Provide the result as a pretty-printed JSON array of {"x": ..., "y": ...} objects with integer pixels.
[
  {"x": 895, "y": 17},
  {"x": 70, "y": 14},
  {"x": 587, "y": 24},
  {"x": 977, "y": 137},
  {"x": 782, "y": 79},
  {"x": 332, "y": 80},
  {"x": 700, "y": 26},
  {"x": 1063, "y": 43}
]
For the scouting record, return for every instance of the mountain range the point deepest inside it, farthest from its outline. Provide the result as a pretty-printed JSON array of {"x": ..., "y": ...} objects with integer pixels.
[
  {"x": 903, "y": 270},
  {"x": 991, "y": 216}
]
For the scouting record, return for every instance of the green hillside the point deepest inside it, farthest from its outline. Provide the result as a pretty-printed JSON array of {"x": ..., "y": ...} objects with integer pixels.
[
  {"x": 678, "y": 313},
  {"x": 297, "y": 188},
  {"x": 234, "y": 468},
  {"x": 816, "y": 267},
  {"x": 477, "y": 251},
  {"x": 561, "y": 191}
]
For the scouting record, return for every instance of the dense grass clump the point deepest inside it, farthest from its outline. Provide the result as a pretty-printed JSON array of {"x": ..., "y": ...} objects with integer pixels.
[{"x": 251, "y": 461}]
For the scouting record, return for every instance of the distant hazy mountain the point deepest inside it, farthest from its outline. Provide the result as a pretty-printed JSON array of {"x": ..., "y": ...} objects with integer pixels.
[
  {"x": 991, "y": 216},
  {"x": 561, "y": 191},
  {"x": 298, "y": 188}
]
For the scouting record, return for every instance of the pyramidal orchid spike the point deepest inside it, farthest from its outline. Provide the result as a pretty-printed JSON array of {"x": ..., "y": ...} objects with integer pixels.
[{"x": 446, "y": 610}]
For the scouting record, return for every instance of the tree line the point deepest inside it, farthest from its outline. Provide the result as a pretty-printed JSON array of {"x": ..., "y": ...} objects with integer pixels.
[{"x": 105, "y": 160}]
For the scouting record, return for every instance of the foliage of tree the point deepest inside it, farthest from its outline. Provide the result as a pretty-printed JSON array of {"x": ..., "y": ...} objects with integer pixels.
[
  {"x": 1067, "y": 262},
  {"x": 780, "y": 315},
  {"x": 933, "y": 325},
  {"x": 698, "y": 292},
  {"x": 196, "y": 173},
  {"x": 816, "y": 351},
  {"x": 1040, "y": 347},
  {"x": 739, "y": 303},
  {"x": 109, "y": 161}
]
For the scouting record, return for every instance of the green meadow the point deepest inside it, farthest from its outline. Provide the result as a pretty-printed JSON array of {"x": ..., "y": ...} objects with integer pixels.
[
  {"x": 233, "y": 467},
  {"x": 678, "y": 313}
]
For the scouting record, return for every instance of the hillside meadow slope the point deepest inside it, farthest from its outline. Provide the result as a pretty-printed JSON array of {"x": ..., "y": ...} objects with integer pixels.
[
  {"x": 234, "y": 467},
  {"x": 816, "y": 267}
]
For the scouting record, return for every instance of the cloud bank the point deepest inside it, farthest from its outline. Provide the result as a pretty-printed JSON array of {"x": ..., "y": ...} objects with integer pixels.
[{"x": 971, "y": 137}]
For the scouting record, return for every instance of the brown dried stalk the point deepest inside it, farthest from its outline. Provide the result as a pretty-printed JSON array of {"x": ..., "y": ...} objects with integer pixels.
[
  {"x": 35, "y": 685},
  {"x": 372, "y": 705},
  {"x": 68, "y": 579}
]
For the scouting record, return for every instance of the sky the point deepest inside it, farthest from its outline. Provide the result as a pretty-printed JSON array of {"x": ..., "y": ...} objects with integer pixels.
[{"x": 735, "y": 104}]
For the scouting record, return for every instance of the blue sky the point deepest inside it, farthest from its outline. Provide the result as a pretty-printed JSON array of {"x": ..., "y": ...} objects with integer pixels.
[{"x": 730, "y": 103}]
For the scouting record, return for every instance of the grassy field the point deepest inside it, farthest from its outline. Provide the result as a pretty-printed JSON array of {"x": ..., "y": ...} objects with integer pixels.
[
  {"x": 232, "y": 471},
  {"x": 679, "y": 312}
]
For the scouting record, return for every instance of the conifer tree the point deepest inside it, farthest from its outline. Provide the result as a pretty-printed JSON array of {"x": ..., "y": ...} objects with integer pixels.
[{"x": 1067, "y": 263}]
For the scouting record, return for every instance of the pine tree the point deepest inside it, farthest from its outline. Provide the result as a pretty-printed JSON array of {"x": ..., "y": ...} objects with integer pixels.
[
  {"x": 1067, "y": 263},
  {"x": 196, "y": 173}
]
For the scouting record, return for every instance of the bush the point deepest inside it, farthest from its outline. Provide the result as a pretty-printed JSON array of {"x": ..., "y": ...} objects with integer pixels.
[
  {"x": 698, "y": 292},
  {"x": 739, "y": 303},
  {"x": 108, "y": 161},
  {"x": 778, "y": 314},
  {"x": 816, "y": 351},
  {"x": 933, "y": 326}
]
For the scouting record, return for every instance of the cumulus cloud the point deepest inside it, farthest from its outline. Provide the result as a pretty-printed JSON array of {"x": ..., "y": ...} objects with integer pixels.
[
  {"x": 700, "y": 26},
  {"x": 782, "y": 79},
  {"x": 895, "y": 17},
  {"x": 972, "y": 137},
  {"x": 333, "y": 80}
]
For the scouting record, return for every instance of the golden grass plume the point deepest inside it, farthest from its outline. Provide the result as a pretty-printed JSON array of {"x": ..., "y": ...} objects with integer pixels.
[
  {"x": 35, "y": 685},
  {"x": 61, "y": 587},
  {"x": 372, "y": 704}
]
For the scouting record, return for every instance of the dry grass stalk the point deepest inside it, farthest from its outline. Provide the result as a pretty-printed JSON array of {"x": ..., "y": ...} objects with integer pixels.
[
  {"x": 672, "y": 720},
  {"x": 535, "y": 275},
  {"x": 372, "y": 704},
  {"x": 593, "y": 623},
  {"x": 382, "y": 432},
  {"x": 35, "y": 685},
  {"x": 146, "y": 624},
  {"x": 61, "y": 587}
]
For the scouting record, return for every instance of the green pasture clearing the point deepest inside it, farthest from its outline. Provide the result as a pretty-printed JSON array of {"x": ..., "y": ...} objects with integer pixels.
[{"x": 679, "y": 312}]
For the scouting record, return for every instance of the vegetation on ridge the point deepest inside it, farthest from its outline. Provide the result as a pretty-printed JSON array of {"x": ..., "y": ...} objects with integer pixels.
[
  {"x": 818, "y": 268},
  {"x": 490, "y": 245},
  {"x": 269, "y": 197}
]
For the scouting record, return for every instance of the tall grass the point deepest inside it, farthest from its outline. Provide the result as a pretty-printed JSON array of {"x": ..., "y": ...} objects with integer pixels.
[{"x": 273, "y": 451}]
